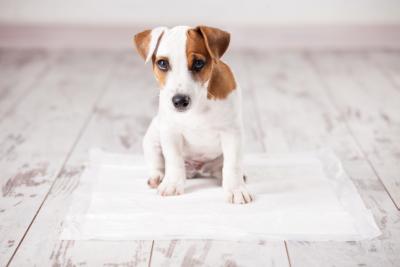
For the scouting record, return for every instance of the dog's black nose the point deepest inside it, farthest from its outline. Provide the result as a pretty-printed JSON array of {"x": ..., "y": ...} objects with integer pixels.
[{"x": 181, "y": 102}]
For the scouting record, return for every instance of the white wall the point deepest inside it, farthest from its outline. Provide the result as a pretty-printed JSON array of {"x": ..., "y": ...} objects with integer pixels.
[{"x": 228, "y": 12}]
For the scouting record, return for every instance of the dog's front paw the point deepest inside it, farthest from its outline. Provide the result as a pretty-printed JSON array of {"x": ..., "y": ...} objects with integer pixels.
[
  {"x": 170, "y": 188},
  {"x": 239, "y": 195},
  {"x": 155, "y": 179}
]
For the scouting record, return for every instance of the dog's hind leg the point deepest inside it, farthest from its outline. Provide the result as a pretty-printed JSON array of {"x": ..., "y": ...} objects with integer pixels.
[
  {"x": 153, "y": 154},
  {"x": 214, "y": 169}
]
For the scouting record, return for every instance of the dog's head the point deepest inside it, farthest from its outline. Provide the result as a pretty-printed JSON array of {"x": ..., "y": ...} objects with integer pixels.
[{"x": 186, "y": 63}]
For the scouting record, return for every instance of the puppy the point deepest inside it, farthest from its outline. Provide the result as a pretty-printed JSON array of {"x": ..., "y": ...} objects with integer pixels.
[{"x": 198, "y": 129}]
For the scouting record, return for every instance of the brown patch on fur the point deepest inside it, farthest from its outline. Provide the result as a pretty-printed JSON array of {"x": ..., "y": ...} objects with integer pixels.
[
  {"x": 222, "y": 82},
  {"x": 216, "y": 40},
  {"x": 209, "y": 44},
  {"x": 196, "y": 49},
  {"x": 142, "y": 42},
  {"x": 160, "y": 75}
]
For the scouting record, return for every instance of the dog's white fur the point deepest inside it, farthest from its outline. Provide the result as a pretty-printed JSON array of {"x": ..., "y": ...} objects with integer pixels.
[{"x": 205, "y": 140}]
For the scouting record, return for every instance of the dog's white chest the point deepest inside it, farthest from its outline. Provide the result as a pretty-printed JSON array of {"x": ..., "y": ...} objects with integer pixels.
[{"x": 201, "y": 145}]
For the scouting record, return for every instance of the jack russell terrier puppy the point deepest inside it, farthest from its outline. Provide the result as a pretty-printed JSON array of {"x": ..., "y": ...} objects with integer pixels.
[{"x": 198, "y": 129}]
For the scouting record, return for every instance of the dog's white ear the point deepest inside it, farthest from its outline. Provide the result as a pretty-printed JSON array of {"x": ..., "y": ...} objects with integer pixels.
[
  {"x": 216, "y": 40},
  {"x": 146, "y": 42}
]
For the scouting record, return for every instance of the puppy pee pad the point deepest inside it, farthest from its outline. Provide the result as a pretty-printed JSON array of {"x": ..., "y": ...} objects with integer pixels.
[{"x": 303, "y": 196}]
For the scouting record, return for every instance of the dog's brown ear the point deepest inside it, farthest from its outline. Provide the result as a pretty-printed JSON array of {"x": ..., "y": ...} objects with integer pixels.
[
  {"x": 146, "y": 42},
  {"x": 216, "y": 40}
]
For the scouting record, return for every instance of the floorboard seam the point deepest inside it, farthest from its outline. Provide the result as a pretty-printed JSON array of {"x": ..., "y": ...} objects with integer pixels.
[
  {"x": 346, "y": 123},
  {"x": 80, "y": 134},
  {"x": 260, "y": 128},
  {"x": 287, "y": 254},
  {"x": 151, "y": 253}
]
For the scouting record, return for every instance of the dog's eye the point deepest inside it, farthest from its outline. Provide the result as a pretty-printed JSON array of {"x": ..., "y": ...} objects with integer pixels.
[
  {"x": 198, "y": 64},
  {"x": 163, "y": 64}
]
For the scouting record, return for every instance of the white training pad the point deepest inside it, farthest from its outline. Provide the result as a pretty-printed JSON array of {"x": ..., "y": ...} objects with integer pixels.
[{"x": 303, "y": 196}]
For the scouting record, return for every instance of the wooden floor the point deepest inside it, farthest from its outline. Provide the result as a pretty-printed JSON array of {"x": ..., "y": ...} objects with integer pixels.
[{"x": 54, "y": 106}]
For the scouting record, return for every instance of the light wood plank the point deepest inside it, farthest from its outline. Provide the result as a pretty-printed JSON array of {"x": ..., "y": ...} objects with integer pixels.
[
  {"x": 295, "y": 114},
  {"x": 19, "y": 71},
  {"x": 226, "y": 253},
  {"x": 389, "y": 64},
  {"x": 117, "y": 124},
  {"x": 36, "y": 138},
  {"x": 218, "y": 253},
  {"x": 290, "y": 96},
  {"x": 371, "y": 107}
]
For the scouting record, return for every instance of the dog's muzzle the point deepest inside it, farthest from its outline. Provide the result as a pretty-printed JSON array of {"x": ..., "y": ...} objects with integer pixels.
[{"x": 181, "y": 102}]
